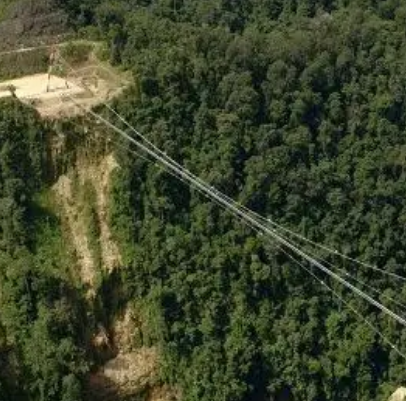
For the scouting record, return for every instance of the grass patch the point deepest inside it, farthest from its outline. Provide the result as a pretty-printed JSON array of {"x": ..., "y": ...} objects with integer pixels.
[
  {"x": 36, "y": 61},
  {"x": 4, "y": 5},
  {"x": 16, "y": 65},
  {"x": 76, "y": 52}
]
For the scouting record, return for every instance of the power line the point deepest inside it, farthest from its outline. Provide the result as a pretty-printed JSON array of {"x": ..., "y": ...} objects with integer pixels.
[
  {"x": 373, "y": 289},
  {"x": 231, "y": 206},
  {"x": 347, "y": 304},
  {"x": 243, "y": 208},
  {"x": 343, "y": 271},
  {"x": 334, "y": 251},
  {"x": 254, "y": 214},
  {"x": 24, "y": 50},
  {"x": 349, "y": 275},
  {"x": 223, "y": 196},
  {"x": 258, "y": 230}
]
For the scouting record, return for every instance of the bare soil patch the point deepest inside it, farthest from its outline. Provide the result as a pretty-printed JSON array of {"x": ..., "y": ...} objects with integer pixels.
[
  {"x": 88, "y": 86},
  {"x": 77, "y": 230},
  {"x": 99, "y": 174},
  {"x": 131, "y": 374},
  {"x": 35, "y": 87}
]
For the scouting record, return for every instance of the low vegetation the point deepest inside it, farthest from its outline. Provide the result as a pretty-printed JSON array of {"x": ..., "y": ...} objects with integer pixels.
[
  {"x": 4, "y": 7},
  {"x": 76, "y": 52},
  {"x": 88, "y": 201},
  {"x": 16, "y": 65}
]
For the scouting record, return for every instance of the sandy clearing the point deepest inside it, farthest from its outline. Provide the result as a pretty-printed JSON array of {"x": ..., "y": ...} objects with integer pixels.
[
  {"x": 35, "y": 87},
  {"x": 134, "y": 369},
  {"x": 89, "y": 86},
  {"x": 126, "y": 330}
]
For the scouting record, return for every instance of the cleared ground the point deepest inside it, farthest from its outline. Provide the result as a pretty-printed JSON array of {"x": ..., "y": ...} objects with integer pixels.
[
  {"x": 88, "y": 86},
  {"x": 36, "y": 87}
]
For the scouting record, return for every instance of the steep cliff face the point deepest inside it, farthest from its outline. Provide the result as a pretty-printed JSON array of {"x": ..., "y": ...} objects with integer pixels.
[
  {"x": 74, "y": 194},
  {"x": 82, "y": 196},
  {"x": 399, "y": 395},
  {"x": 125, "y": 365}
]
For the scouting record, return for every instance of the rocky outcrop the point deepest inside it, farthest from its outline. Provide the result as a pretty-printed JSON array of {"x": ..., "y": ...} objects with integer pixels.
[
  {"x": 398, "y": 395},
  {"x": 133, "y": 374},
  {"x": 74, "y": 203}
]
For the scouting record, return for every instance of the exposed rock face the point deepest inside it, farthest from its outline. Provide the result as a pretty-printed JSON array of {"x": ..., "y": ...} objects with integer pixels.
[
  {"x": 31, "y": 22},
  {"x": 133, "y": 371},
  {"x": 399, "y": 395},
  {"x": 132, "y": 374},
  {"x": 96, "y": 174}
]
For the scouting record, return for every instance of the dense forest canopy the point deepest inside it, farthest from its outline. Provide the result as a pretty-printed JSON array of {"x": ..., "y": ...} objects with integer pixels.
[
  {"x": 295, "y": 109},
  {"x": 39, "y": 356}
]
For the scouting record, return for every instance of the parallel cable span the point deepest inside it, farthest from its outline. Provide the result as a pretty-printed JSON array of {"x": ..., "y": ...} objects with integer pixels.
[
  {"x": 256, "y": 229},
  {"x": 242, "y": 207},
  {"x": 24, "y": 50},
  {"x": 349, "y": 275},
  {"x": 347, "y": 304},
  {"x": 342, "y": 271},
  {"x": 231, "y": 206},
  {"x": 334, "y": 251},
  {"x": 251, "y": 212}
]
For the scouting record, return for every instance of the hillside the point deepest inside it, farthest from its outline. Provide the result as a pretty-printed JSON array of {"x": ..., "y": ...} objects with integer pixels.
[
  {"x": 27, "y": 22},
  {"x": 118, "y": 281}
]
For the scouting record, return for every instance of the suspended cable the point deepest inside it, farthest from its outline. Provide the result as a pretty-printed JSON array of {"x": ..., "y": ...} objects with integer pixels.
[
  {"x": 343, "y": 271},
  {"x": 24, "y": 50},
  {"x": 232, "y": 207},
  {"x": 334, "y": 251},
  {"x": 257, "y": 229},
  {"x": 242, "y": 207},
  {"x": 254, "y": 214},
  {"x": 347, "y": 304},
  {"x": 347, "y": 274}
]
